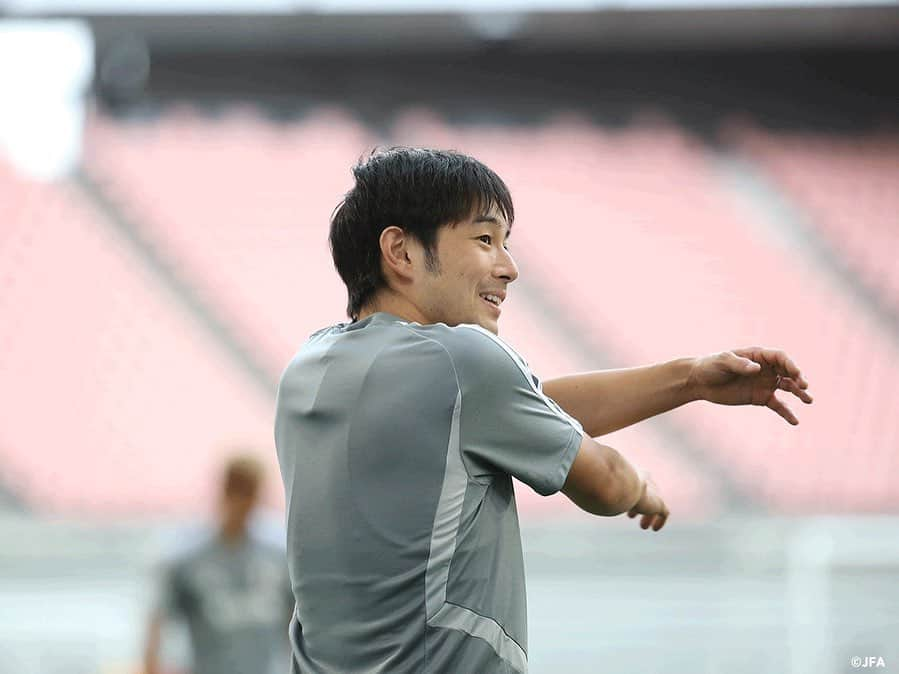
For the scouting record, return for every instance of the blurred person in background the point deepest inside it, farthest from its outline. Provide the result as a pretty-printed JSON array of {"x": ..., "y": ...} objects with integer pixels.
[
  {"x": 398, "y": 434},
  {"x": 232, "y": 590}
]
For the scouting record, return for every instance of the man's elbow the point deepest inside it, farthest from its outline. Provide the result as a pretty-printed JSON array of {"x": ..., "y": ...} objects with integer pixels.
[
  {"x": 601, "y": 481},
  {"x": 622, "y": 490}
]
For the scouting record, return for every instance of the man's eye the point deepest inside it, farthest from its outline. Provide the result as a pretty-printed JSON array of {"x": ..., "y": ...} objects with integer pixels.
[{"x": 486, "y": 236}]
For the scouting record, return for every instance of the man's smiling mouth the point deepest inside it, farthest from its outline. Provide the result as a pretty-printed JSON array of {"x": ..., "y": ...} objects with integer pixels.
[{"x": 493, "y": 300}]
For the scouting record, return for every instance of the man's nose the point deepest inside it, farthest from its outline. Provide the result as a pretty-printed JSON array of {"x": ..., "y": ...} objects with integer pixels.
[{"x": 507, "y": 269}]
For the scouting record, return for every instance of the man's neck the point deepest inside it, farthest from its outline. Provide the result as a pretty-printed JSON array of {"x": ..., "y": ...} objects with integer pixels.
[
  {"x": 232, "y": 535},
  {"x": 397, "y": 305}
]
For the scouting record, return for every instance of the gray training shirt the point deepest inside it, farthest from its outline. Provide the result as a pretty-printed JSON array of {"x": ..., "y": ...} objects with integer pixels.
[
  {"x": 397, "y": 444},
  {"x": 235, "y": 600}
]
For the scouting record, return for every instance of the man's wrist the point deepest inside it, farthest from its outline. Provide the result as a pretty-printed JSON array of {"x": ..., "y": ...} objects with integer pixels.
[
  {"x": 689, "y": 389},
  {"x": 642, "y": 482}
]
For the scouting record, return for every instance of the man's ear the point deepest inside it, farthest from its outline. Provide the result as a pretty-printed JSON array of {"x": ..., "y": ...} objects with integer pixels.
[{"x": 396, "y": 252}]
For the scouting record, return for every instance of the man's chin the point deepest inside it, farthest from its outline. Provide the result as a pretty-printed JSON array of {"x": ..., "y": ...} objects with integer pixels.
[{"x": 491, "y": 325}]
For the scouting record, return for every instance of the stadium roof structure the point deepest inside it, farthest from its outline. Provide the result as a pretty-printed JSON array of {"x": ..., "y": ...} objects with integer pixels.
[
  {"x": 400, "y": 6},
  {"x": 328, "y": 26}
]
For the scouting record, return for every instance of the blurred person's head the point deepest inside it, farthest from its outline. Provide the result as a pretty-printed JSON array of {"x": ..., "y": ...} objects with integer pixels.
[
  {"x": 241, "y": 485},
  {"x": 422, "y": 234}
]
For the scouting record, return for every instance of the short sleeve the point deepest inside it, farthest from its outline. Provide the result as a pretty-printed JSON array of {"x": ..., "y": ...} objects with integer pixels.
[
  {"x": 171, "y": 598},
  {"x": 507, "y": 423}
]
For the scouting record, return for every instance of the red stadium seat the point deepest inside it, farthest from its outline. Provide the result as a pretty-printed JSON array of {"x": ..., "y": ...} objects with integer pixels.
[
  {"x": 241, "y": 206},
  {"x": 848, "y": 189},
  {"x": 115, "y": 400},
  {"x": 629, "y": 233}
]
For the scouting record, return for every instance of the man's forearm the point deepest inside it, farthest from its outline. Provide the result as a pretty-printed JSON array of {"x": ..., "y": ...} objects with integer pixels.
[
  {"x": 607, "y": 400},
  {"x": 151, "y": 647}
]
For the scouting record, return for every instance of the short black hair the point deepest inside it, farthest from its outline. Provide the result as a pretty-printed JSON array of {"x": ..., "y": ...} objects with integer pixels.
[
  {"x": 243, "y": 475},
  {"x": 416, "y": 189}
]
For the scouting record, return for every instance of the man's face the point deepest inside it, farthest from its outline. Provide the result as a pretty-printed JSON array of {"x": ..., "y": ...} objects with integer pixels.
[
  {"x": 238, "y": 502},
  {"x": 473, "y": 262}
]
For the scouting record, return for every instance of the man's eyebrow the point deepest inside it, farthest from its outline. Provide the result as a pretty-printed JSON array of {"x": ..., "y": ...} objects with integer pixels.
[{"x": 493, "y": 220}]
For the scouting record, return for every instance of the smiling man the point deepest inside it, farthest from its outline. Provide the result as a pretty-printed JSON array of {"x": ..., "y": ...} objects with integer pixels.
[
  {"x": 465, "y": 283},
  {"x": 399, "y": 432}
]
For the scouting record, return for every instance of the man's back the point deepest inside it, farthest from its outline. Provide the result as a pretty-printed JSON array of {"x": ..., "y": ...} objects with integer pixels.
[{"x": 397, "y": 443}]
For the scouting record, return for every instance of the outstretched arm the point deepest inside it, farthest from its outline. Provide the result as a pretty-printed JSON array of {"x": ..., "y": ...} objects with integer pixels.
[
  {"x": 607, "y": 400},
  {"x": 604, "y": 401}
]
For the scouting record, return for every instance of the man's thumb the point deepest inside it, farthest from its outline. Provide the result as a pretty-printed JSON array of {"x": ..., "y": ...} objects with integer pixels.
[{"x": 741, "y": 364}]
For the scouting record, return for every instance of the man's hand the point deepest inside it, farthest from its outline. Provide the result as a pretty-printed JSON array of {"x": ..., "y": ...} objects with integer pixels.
[
  {"x": 748, "y": 376},
  {"x": 651, "y": 506}
]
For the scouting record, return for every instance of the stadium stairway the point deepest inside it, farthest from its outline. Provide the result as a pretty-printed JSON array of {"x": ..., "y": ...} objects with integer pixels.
[
  {"x": 115, "y": 401},
  {"x": 239, "y": 206},
  {"x": 843, "y": 196}
]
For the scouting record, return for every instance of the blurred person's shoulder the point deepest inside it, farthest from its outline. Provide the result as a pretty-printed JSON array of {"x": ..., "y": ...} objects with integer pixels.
[
  {"x": 267, "y": 534},
  {"x": 186, "y": 547},
  {"x": 267, "y": 550},
  {"x": 188, "y": 544}
]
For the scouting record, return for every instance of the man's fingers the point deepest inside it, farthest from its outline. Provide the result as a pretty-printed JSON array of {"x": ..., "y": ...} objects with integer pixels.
[
  {"x": 648, "y": 521},
  {"x": 660, "y": 522},
  {"x": 777, "y": 359},
  {"x": 785, "y": 366},
  {"x": 782, "y": 410},
  {"x": 655, "y": 520},
  {"x": 742, "y": 364},
  {"x": 790, "y": 385}
]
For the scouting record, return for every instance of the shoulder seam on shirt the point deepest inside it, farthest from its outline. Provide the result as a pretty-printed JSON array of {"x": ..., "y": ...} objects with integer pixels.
[
  {"x": 507, "y": 348},
  {"x": 477, "y": 329},
  {"x": 458, "y": 388}
]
